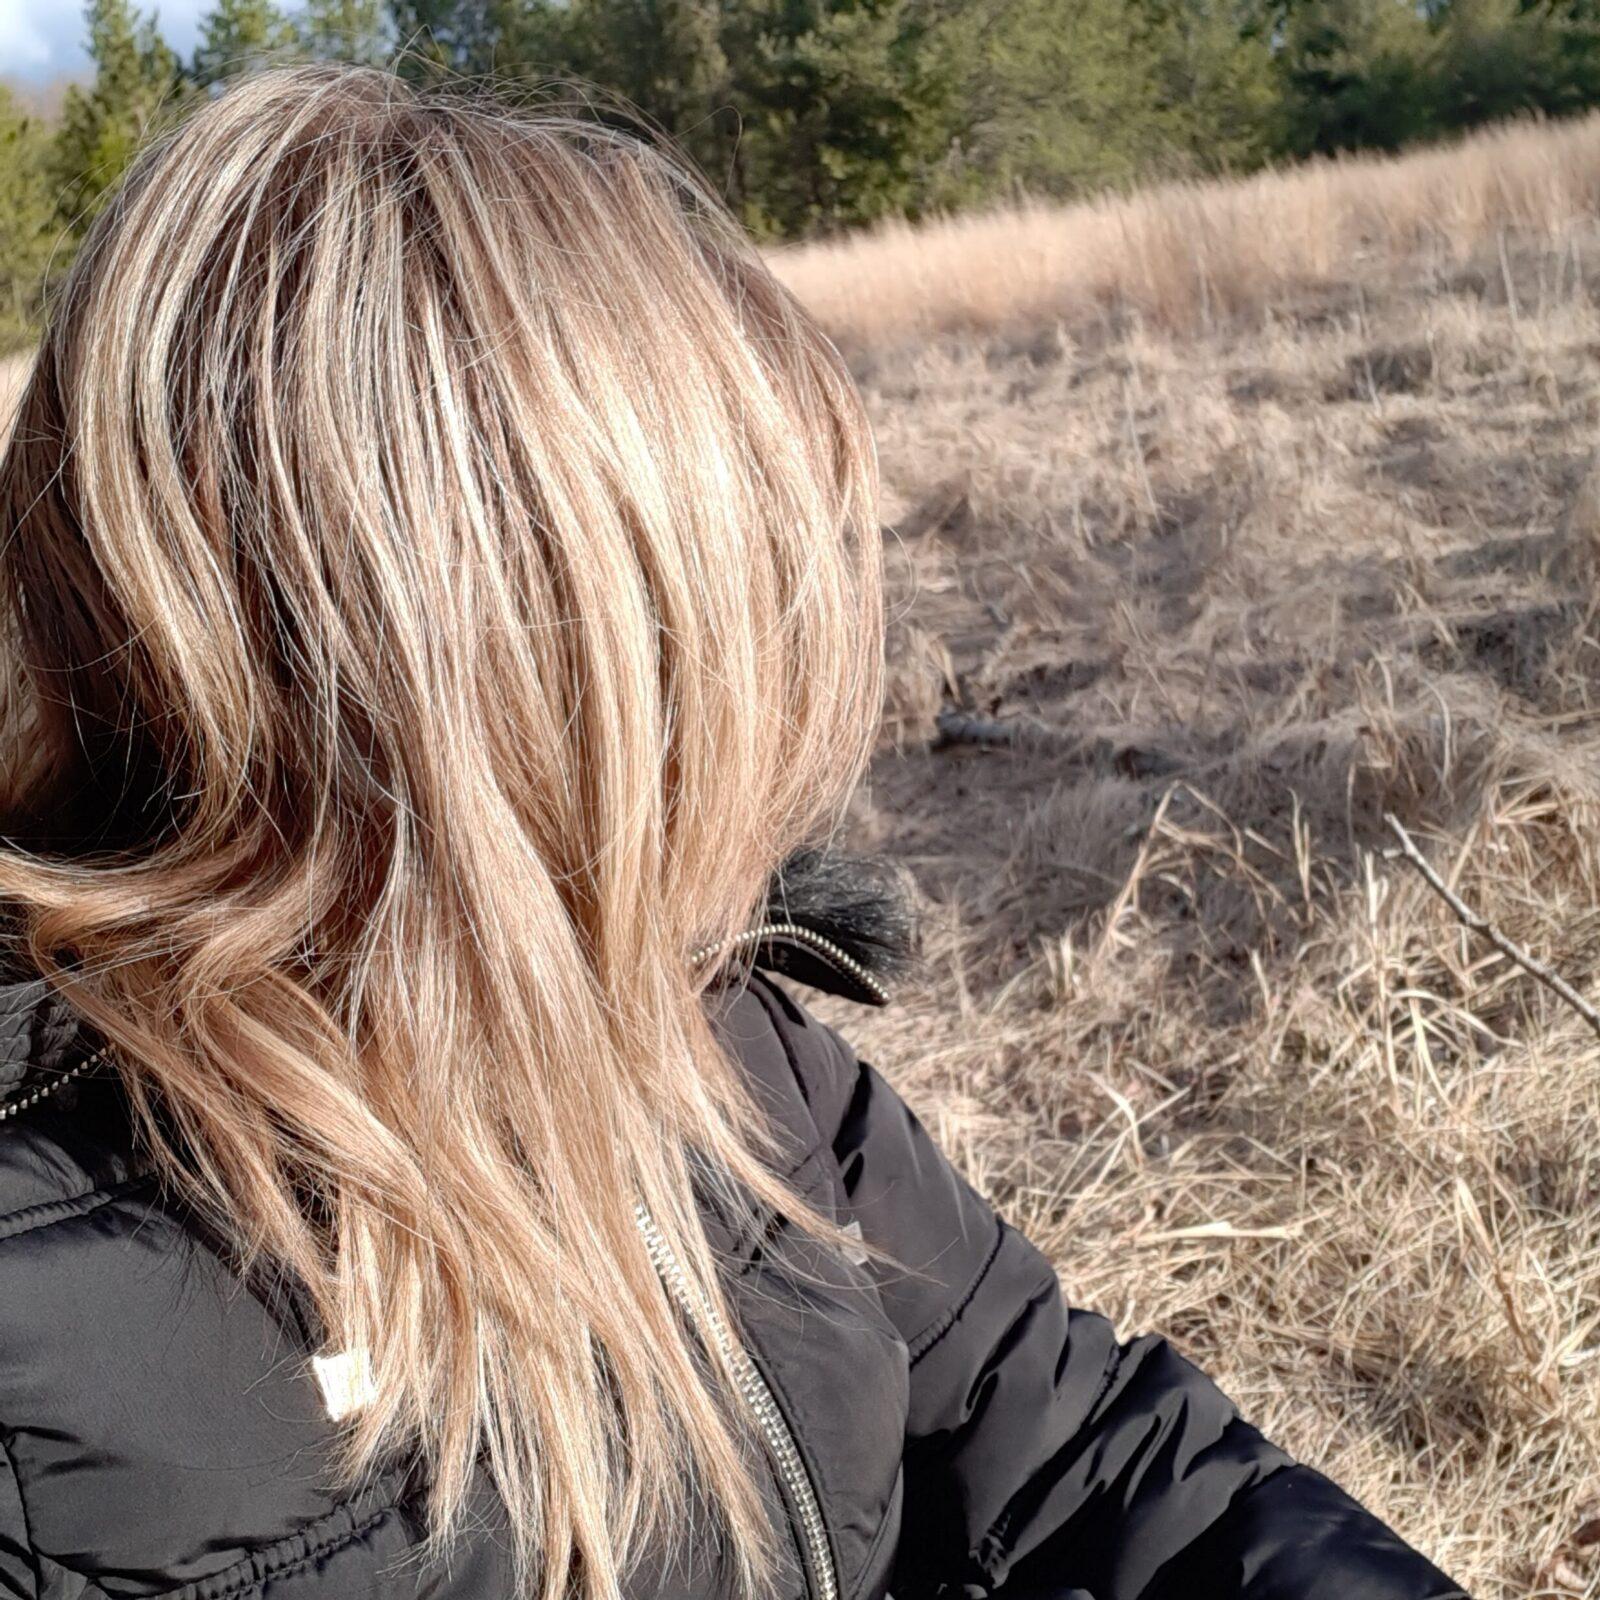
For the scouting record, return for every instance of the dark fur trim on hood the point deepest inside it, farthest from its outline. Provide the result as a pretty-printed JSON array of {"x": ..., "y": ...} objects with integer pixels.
[{"x": 860, "y": 905}]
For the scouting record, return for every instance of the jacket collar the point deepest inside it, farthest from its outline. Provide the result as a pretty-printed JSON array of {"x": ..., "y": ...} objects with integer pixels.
[
  {"x": 39, "y": 1032},
  {"x": 836, "y": 922}
]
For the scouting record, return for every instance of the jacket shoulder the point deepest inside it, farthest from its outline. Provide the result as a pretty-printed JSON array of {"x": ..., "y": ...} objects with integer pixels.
[
  {"x": 61, "y": 1142},
  {"x": 801, "y": 1072},
  {"x": 159, "y": 1417},
  {"x": 61, "y": 1155}
]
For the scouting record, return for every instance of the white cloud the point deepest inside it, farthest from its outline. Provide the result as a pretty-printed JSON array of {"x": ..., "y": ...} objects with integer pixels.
[
  {"x": 44, "y": 38},
  {"x": 25, "y": 46}
]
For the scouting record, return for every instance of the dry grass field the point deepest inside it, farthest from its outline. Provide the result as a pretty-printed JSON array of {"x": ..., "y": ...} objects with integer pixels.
[{"x": 1222, "y": 522}]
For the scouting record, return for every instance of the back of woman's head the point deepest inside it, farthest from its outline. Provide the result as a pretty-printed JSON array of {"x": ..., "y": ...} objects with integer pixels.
[{"x": 441, "y": 570}]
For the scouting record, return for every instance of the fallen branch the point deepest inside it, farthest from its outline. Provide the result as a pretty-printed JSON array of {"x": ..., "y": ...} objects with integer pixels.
[
  {"x": 1469, "y": 918},
  {"x": 962, "y": 727},
  {"x": 1215, "y": 1230}
]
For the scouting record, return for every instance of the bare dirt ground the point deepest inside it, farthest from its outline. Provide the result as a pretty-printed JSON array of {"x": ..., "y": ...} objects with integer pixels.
[{"x": 1182, "y": 607}]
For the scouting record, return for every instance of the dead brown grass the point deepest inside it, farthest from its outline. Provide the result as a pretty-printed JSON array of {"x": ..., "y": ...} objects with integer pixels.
[
  {"x": 1231, "y": 586},
  {"x": 1192, "y": 255}
]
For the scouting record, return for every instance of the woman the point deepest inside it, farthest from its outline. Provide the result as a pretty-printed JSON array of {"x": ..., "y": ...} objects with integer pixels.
[{"x": 442, "y": 570}]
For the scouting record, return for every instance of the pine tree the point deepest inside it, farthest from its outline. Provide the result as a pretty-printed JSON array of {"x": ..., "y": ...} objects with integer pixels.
[
  {"x": 344, "y": 30},
  {"x": 137, "y": 80},
  {"x": 1358, "y": 73},
  {"x": 677, "y": 66},
  {"x": 844, "y": 110},
  {"x": 1056, "y": 97},
  {"x": 500, "y": 38},
  {"x": 27, "y": 222},
  {"x": 1218, "y": 83},
  {"x": 240, "y": 36},
  {"x": 1500, "y": 58},
  {"x": 660, "y": 64}
]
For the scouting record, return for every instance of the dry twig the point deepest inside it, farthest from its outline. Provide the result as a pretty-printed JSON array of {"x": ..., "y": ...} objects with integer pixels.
[{"x": 1469, "y": 918}]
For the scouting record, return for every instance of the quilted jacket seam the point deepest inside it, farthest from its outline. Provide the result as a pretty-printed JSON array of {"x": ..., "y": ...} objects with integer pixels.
[
  {"x": 287, "y": 1569},
  {"x": 281, "y": 1558},
  {"x": 48, "y": 1213},
  {"x": 991, "y": 1553},
  {"x": 929, "y": 1337},
  {"x": 22, "y": 1507}
]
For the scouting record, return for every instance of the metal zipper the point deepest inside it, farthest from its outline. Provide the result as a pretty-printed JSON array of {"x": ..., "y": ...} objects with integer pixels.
[
  {"x": 11, "y": 1107},
  {"x": 816, "y": 1553},
  {"x": 792, "y": 931},
  {"x": 775, "y": 1431}
]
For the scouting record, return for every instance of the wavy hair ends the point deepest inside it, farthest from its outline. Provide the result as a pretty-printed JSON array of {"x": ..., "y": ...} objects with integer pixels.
[{"x": 441, "y": 567}]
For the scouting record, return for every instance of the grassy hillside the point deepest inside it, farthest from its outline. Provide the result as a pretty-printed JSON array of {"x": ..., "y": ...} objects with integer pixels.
[
  {"x": 1222, "y": 522},
  {"x": 1190, "y": 257}
]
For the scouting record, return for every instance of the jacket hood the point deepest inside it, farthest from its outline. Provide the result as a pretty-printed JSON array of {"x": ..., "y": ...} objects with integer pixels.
[{"x": 837, "y": 922}]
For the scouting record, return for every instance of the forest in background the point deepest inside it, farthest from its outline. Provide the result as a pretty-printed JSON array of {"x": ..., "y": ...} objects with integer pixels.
[{"x": 816, "y": 116}]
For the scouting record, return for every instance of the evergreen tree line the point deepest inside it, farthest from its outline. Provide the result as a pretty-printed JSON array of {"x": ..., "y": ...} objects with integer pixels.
[{"x": 816, "y": 115}]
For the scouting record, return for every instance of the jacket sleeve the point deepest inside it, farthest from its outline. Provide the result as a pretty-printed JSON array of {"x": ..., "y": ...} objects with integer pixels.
[
  {"x": 18, "y": 1575},
  {"x": 1045, "y": 1458}
]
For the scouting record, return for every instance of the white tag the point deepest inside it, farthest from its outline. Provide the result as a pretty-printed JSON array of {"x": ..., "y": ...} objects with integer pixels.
[
  {"x": 346, "y": 1381},
  {"x": 858, "y": 1257}
]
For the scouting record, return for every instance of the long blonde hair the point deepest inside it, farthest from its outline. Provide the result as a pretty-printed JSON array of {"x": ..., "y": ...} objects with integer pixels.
[{"x": 442, "y": 574}]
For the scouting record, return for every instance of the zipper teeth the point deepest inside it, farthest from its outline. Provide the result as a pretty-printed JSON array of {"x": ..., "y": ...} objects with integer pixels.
[
  {"x": 757, "y": 1395},
  {"x": 793, "y": 931},
  {"x": 753, "y": 1387},
  {"x": 34, "y": 1096}
]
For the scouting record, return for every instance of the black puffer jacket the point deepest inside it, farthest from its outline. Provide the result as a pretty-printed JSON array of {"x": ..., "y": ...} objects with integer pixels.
[{"x": 954, "y": 1432}]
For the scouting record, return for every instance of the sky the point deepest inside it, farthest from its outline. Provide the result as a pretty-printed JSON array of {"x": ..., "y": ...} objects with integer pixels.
[{"x": 43, "y": 39}]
